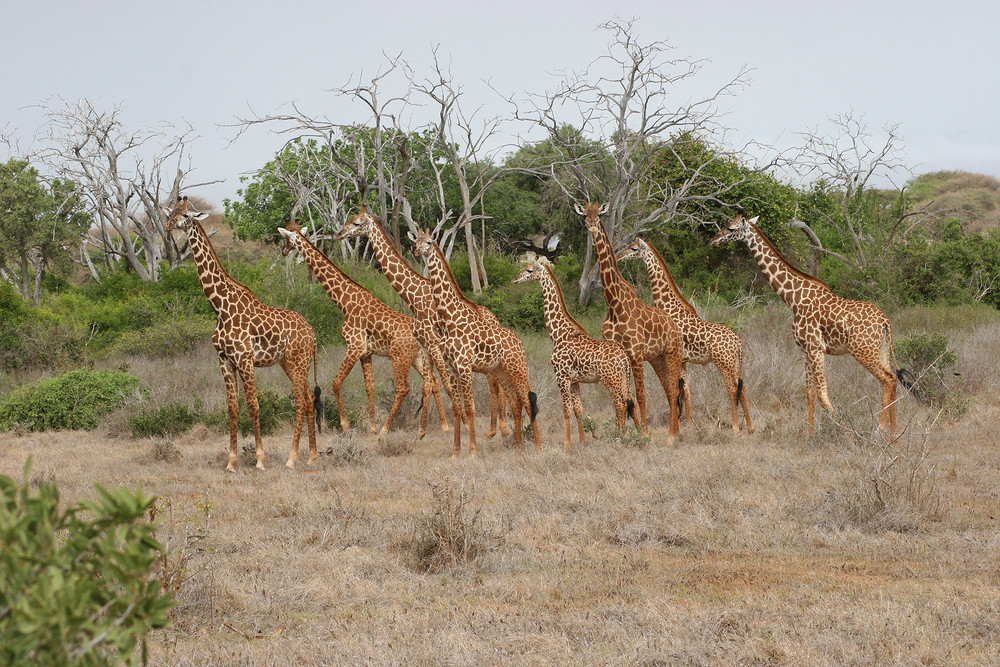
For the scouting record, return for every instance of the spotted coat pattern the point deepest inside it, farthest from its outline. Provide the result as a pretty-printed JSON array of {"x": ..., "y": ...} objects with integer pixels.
[
  {"x": 704, "y": 342},
  {"x": 251, "y": 334},
  {"x": 647, "y": 333},
  {"x": 475, "y": 343},
  {"x": 415, "y": 290},
  {"x": 370, "y": 328},
  {"x": 824, "y": 323},
  {"x": 577, "y": 357}
]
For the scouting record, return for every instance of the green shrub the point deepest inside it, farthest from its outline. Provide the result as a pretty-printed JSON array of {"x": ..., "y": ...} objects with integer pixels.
[
  {"x": 75, "y": 400},
  {"x": 272, "y": 412},
  {"x": 929, "y": 359},
  {"x": 165, "y": 338},
  {"x": 75, "y": 585},
  {"x": 170, "y": 419}
]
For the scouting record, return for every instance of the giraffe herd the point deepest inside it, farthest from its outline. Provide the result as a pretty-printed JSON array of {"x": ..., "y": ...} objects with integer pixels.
[{"x": 457, "y": 337}]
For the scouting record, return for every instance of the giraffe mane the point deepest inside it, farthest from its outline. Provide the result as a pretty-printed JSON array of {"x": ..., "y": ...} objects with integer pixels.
[{"x": 791, "y": 267}]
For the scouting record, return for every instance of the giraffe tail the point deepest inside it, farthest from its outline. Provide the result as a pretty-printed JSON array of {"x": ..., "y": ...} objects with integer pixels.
[
  {"x": 901, "y": 373},
  {"x": 629, "y": 409},
  {"x": 739, "y": 390},
  {"x": 421, "y": 406},
  {"x": 680, "y": 397},
  {"x": 533, "y": 400}
]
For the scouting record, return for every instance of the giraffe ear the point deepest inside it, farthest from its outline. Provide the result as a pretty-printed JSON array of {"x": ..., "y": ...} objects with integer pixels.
[
  {"x": 579, "y": 209},
  {"x": 603, "y": 209},
  {"x": 200, "y": 216},
  {"x": 411, "y": 236},
  {"x": 284, "y": 232},
  {"x": 753, "y": 220}
]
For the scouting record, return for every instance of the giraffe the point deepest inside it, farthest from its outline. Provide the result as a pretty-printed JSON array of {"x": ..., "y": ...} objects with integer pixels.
[
  {"x": 647, "y": 333},
  {"x": 251, "y": 334},
  {"x": 824, "y": 323},
  {"x": 704, "y": 341},
  {"x": 576, "y": 357},
  {"x": 475, "y": 343},
  {"x": 415, "y": 290},
  {"x": 370, "y": 328}
]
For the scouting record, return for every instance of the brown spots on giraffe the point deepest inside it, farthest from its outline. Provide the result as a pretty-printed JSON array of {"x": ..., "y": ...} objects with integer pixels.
[
  {"x": 704, "y": 342},
  {"x": 645, "y": 332},
  {"x": 824, "y": 323},
  {"x": 242, "y": 318},
  {"x": 576, "y": 357},
  {"x": 474, "y": 342},
  {"x": 370, "y": 328}
]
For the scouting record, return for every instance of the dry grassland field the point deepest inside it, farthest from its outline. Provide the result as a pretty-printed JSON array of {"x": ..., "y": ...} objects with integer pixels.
[{"x": 781, "y": 547}]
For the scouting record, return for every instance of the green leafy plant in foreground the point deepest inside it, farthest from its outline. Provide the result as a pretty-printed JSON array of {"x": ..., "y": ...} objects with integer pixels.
[{"x": 75, "y": 586}]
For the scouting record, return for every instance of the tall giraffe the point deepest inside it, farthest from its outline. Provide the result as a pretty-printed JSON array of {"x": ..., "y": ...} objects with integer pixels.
[
  {"x": 647, "y": 333},
  {"x": 824, "y": 323},
  {"x": 474, "y": 343},
  {"x": 415, "y": 290},
  {"x": 576, "y": 357},
  {"x": 704, "y": 341},
  {"x": 370, "y": 328},
  {"x": 250, "y": 334}
]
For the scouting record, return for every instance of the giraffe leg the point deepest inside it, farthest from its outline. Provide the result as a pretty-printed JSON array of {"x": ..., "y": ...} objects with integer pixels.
[
  {"x": 298, "y": 373},
  {"x": 401, "y": 361},
  {"x": 565, "y": 390},
  {"x": 669, "y": 375},
  {"x": 578, "y": 409},
  {"x": 366, "y": 369},
  {"x": 469, "y": 408},
  {"x": 687, "y": 396},
  {"x": 437, "y": 358},
  {"x": 350, "y": 358},
  {"x": 883, "y": 373},
  {"x": 517, "y": 403},
  {"x": 233, "y": 406},
  {"x": 250, "y": 391},
  {"x": 729, "y": 377},
  {"x": 498, "y": 407},
  {"x": 640, "y": 392},
  {"x": 429, "y": 385}
]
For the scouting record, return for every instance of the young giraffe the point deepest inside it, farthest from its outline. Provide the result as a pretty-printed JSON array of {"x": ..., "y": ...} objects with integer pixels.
[
  {"x": 415, "y": 290},
  {"x": 704, "y": 341},
  {"x": 647, "y": 333},
  {"x": 251, "y": 334},
  {"x": 370, "y": 328},
  {"x": 823, "y": 322},
  {"x": 474, "y": 343},
  {"x": 576, "y": 357}
]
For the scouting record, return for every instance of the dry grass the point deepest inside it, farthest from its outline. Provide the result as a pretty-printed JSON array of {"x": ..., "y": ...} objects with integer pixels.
[{"x": 774, "y": 548}]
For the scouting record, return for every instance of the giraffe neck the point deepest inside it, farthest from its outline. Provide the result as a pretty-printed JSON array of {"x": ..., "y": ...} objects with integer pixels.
[
  {"x": 220, "y": 288},
  {"x": 409, "y": 284},
  {"x": 666, "y": 294},
  {"x": 561, "y": 325},
  {"x": 344, "y": 291},
  {"x": 447, "y": 295},
  {"x": 786, "y": 280},
  {"x": 618, "y": 293}
]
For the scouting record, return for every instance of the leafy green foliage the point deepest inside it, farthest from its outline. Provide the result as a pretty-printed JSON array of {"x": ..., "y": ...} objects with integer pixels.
[
  {"x": 169, "y": 419},
  {"x": 272, "y": 412},
  {"x": 75, "y": 585},
  {"x": 75, "y": 400}
]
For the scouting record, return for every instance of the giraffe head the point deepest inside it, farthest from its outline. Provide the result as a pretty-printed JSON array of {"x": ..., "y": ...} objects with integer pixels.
[
  {"x": 423, "y": 243},
  {"x": 532, "y": 272},
  {"x": 636, "y": 250},
  {"x": 361, "y": 223},
  {"x": 592, "y": 213},
  {"x": 740, "y": 229},
  {"x": 291, "y": 236},
  {"x": 181, "y": 215}
]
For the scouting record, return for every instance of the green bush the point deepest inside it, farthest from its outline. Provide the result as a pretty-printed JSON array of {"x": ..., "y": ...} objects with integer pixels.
[
  {"x": 75, "y": 400},
  {"x": 165, "y": 338},
  {"x": 170, "y": 419},
  {"x": 272, "y": 412},
  {"x": 75, "y": 585},
  {"x": 928, "y": 358}
]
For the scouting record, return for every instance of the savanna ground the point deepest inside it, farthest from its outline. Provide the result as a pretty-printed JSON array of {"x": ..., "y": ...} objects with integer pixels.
[{"x": 779, "y": 547}]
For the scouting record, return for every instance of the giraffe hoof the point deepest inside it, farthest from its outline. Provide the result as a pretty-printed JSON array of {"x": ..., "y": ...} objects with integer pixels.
[
  {"x": 445, "y": 428},
  {"x": 291, "y": 464},
  {"x": 230, "y": 468},
  {"x": 312, "y": 459}
]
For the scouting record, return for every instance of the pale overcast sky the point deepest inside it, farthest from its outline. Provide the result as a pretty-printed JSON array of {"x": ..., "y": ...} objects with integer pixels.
[{"x": 931, "y": 67}]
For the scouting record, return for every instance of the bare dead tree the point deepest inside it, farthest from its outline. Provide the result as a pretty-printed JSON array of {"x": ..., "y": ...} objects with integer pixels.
[
  {"x": 123, "y": 176},
  {"x": 846, "y": 161},
  {"x": 611, "y": 123}
]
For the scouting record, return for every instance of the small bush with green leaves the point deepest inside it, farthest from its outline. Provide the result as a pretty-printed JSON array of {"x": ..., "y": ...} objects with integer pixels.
[
  {"x": 75, "y": 400},
  {"x": 169, "y": 419},
  {"x": 929, "y": 359},
  {"x": 272, "y": 412},
  {"x": 75, "y": 584}
]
